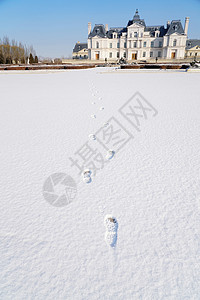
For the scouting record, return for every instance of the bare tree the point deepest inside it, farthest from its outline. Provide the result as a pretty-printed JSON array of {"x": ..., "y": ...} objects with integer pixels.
[{"x": 14, "y": 52}]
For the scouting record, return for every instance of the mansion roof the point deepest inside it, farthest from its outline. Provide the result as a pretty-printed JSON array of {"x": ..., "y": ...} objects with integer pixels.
[
  {"x": 174, "y": 27},
  {"x": 192, "y": 43},
  {"x": 80, "y": 46}
]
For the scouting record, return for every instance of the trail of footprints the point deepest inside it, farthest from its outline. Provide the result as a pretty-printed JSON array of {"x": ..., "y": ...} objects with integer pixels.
[
  {"x": 110, "y": 153},
  {"x": 110, "y": 222}
]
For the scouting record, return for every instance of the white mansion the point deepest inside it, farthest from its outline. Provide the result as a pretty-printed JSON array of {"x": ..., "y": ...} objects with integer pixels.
[{"x": 137, "y": 41}]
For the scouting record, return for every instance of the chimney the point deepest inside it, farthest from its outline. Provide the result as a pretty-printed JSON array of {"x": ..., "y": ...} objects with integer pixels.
[
  {"x": 168, "y": 24},
  {"x": 106, "y": 27},
  {"x": 89, "y": 28},
  {"x": 186, "y": 25}
]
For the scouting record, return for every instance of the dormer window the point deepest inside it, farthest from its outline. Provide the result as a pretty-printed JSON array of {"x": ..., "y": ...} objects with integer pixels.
[{"x": 175, "y": 27}]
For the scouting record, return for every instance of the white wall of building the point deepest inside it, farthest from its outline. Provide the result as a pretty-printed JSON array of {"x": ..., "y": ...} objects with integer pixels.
[{"x": 137, "y": 41}]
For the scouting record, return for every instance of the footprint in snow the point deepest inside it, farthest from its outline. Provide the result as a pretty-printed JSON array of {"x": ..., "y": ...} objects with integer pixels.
[
  {"x": 111, "y": 225},
  {"x": 106, "y": 124},
  {"x": 92, "y": 137},
  {"x": 110, "y": 154},
  {"x": 101, "y": 108},
  {"x": 87, "y": 176},
  {"x": 93, "y": 116}
]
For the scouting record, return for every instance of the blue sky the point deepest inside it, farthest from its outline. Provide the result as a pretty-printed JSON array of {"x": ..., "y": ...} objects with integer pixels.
[{"x": 53, "y": 27}]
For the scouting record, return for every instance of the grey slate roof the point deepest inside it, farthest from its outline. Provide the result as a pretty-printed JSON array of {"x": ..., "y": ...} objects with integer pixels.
[
  {"x": 79, "y": 46},
  {"x": 98, "y": 30},
  {"x": 175, "y": 26},
  {"x": 192, "y": 43},
  {"x": 117, "y": 30},
  {"x": 152, "y": 30}
]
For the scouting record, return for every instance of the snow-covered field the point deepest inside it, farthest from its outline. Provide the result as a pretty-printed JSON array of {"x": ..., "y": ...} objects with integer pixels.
[{"x": 151, "y": 185}]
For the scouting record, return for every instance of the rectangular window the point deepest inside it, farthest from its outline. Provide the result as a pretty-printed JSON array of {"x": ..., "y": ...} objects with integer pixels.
[
  {"x": 117, "y": 54},
  {"x": 151, "y": 54},
  {"x": 160, "y": 44},
  {"x": 125, "y": 45},
  {"x": 110, "y": 45},
  {"x": 144, "y": 54},
  {"x": 97, "y": 44},
  {"x": 124, "y": 54},
  {"x": 135, "y": 44},
  {"x": 152, "y": 44},
  {"x": 117, "y": 45},
  {"x": 135, "y": 34},
  {"x": 110, "y": 55},
  {"x": 145, "y": 44},
  {"x": 130, "y": 35},
  {"x": 159, "y": 53},
  {"x": 174, "y": 43},
  {"x": 130, "y": 44}
]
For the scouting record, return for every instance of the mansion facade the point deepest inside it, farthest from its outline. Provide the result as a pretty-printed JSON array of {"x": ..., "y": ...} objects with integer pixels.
[{"x": 137, "y": 41}]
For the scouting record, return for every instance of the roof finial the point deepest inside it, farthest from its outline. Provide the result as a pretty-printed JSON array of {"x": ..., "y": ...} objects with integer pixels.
[{"x": 136, "y": 16}]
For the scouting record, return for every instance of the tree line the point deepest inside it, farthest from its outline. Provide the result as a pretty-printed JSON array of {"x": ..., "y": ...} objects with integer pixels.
[{"x": 16, "y": 53}]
